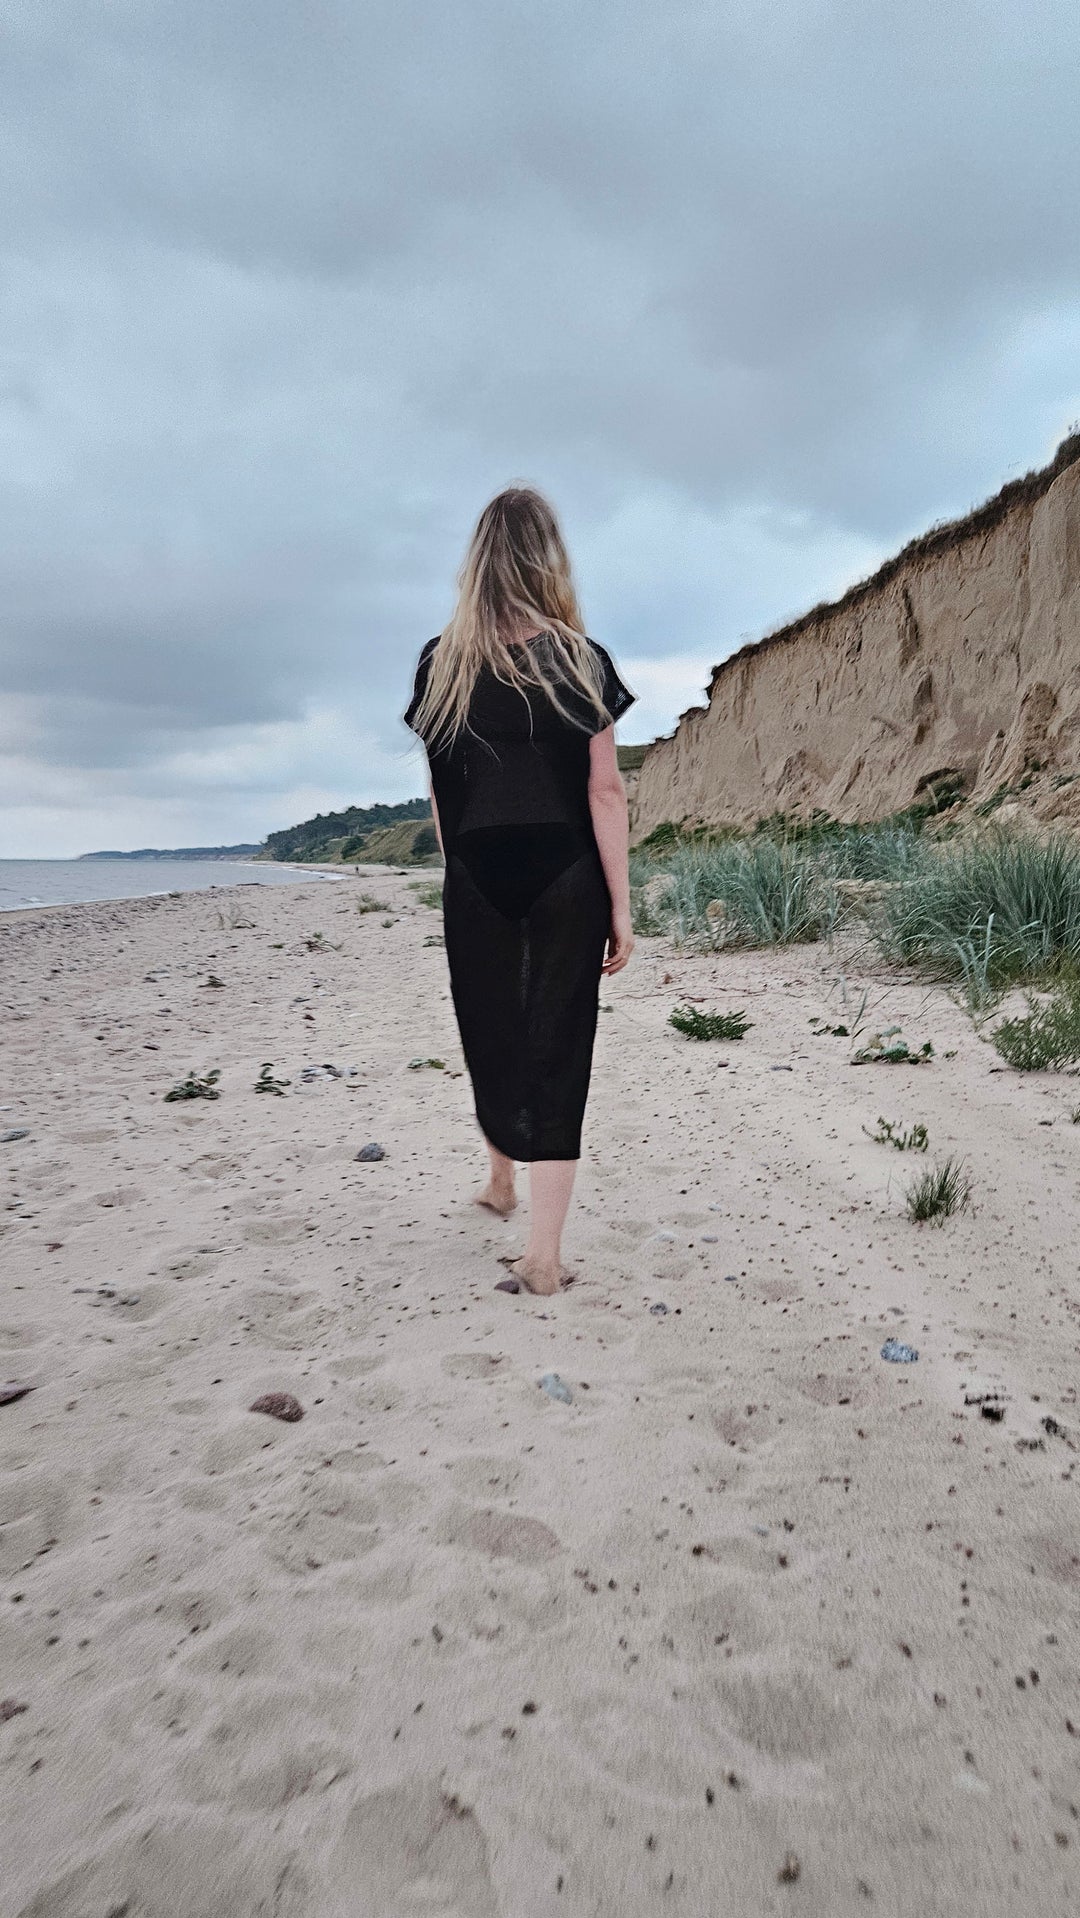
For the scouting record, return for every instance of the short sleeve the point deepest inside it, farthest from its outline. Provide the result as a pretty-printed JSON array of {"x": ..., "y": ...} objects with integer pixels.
[
  {"x": 616, "y": 696},
  {"x": 420, "y": 679}
]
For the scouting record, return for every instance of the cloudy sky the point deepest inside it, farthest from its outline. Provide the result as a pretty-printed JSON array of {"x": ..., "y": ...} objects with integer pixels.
[{"x": 288, "y": 289}]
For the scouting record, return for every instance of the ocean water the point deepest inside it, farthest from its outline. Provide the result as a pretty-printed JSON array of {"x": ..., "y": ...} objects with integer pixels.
[{"x": 65, "y": 882}]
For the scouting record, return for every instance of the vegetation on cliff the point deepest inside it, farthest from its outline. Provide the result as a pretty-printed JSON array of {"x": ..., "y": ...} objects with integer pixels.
[{"x": 358, "y": 832}]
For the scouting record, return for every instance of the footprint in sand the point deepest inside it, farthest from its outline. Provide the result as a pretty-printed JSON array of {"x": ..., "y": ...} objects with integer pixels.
[
  {"x": 784, "y": 1714},
  {"x": 286, "y": 1229},
  {"x": 484, "y": 1477},
  {"x": 725, "y": 1624},
  {"x": 475, "y": 1365},
  {"x": 192, "y": 1862},
  {"x": 412, "y": 1848},
  {"x": 503, "y": 1535}
]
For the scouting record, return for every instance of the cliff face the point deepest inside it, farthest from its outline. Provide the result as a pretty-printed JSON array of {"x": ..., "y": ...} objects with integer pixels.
[{"x": 960, "y": 656}]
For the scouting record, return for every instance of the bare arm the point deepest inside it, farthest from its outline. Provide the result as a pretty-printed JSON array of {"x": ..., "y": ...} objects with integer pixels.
[{"x": 607, "y": 805}]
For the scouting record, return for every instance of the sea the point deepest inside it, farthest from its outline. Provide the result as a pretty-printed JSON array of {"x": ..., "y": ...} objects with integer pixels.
[{"x": 66, "y": 882}]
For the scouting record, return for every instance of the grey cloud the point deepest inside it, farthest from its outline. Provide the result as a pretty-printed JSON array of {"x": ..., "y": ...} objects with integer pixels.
[{"x": 287, "y": 292}]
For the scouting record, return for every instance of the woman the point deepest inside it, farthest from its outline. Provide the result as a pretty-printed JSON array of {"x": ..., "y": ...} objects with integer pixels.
[{"x": 515, "y": 705}]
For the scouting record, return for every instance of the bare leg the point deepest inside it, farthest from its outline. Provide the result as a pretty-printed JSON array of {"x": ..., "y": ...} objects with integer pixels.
[
  {"x": 498, "y": 1195},
  {"x": 551, "y": 1181}
]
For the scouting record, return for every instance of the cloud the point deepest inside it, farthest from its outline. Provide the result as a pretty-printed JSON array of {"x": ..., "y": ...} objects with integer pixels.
[{"x": 288, "y": 293}]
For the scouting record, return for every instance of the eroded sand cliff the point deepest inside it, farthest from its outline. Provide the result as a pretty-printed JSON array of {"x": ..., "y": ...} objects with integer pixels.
[{"x": 956, "y": 662}]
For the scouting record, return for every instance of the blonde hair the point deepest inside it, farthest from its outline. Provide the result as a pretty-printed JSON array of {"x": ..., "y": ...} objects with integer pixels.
[{"x": 515, "y": 577}]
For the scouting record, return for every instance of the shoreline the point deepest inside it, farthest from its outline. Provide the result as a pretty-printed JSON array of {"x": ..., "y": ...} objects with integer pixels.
[{"x": 447, "y": 1637}]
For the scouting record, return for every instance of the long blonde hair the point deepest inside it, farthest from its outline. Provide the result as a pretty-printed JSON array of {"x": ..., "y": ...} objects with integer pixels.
[{"x": 515, "y": 577}]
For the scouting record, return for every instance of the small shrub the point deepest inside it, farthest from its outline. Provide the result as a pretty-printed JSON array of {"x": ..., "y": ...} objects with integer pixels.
[
  {"x": 195, "y": 1088},
  {"x": 892, "y": 1049},
  {"x": 318, "y": 942},
  {"x": 428, "y": 895},
  {"x": 417, "y": 1065},
  {"x": 267, "y": 1083},
  {"x": 709, "y": 1025},
  {"x": 366, "y": 903},
  {"x": 890, "y": 1132},
  {"x": 938, "y": 1192},
  {"x": 1047, "y": 1037}
]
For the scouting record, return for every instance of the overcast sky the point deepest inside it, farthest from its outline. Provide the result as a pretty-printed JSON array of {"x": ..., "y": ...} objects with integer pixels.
[{"x": 288, "y": 289}]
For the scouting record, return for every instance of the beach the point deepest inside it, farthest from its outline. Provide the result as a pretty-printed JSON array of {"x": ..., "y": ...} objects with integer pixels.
[{"x": 750, "y": 1621}]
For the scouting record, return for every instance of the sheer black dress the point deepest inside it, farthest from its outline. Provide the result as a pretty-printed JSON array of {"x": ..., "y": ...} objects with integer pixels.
[{"x": 526, "y": 907}]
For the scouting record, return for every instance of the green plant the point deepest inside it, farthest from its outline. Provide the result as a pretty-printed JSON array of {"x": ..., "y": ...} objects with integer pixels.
[
  {"x": 195, "y": 1088},
  {"x": 938, "y": 1192},
  {"x": 318, "y": 942},
  {"x": 415, "y": 1065},
  {"x": 709, "y": 1025},
  {"x": 890, "y": 1132},
  {"x": 267, "y": 1083},
  {"x": 366, "y": 903},
  {"x": 1000, "y": 911},
  {"x": 1048, "y": 1036},
  {"x": 824, "y": 1031},
  {"x": 234, "y": 921},
  {"x": 889, "y": 1047},
  {"x": 427, "y": 894}
]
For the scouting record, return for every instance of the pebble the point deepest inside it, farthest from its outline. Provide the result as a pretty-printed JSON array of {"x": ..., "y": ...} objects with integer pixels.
[
  {"x": 710, "y": 1238},
  {"x": 731, "y": 1278},
  {"x": 368, "y": 1153},
  {"x": 658, "y": 1310},
  {"x": 14, "y": 1132},
  {"x": 507, "y": 1285},
  {"x": 898, "y": 1353},
  {"x": 556, "y": 1388},
  {"x": 9, "y": 1393},
  {"x": 280, "y": 1405}
]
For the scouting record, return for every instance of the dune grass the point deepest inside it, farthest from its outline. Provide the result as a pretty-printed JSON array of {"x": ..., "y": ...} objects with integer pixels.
[
  {"x": 980, "y": 915},
  {"x": 938, "y": 1192},
  {"x": 1000, "y": 911}
]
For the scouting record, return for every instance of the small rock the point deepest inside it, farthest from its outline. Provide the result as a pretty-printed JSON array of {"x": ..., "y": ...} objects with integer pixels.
[
  {"x": 710, "y": 1238},
  {"x": 131, "y": 1298},
  {"x": 898, "y": 1353},
  {"x": 106, "y": 1291},
  {"x": 10, "y": 1708},
  {"x": 9, "y": 1393},
  {"x": 369, "y": 1153},
  {"x": 507, "y": 1285},
  {"x": 731, "y": 1278},
  {"x": 14, "y": 1132},
  {"x": 667, "y": 1237},
  {"x": 556, "y": 1388},
  {"x": 659, "y": 1310},
  {"x": 280, "y": 1405}
]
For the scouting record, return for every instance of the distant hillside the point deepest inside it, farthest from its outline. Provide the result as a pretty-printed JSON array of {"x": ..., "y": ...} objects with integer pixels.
[
  {"x": 178, "y": 852},
  {"x": 402, "y": 835},
  {"x": 343, "y": 836}
]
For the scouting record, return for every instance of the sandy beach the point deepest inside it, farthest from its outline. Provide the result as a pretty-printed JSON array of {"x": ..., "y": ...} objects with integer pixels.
[{"x": 755, "y": 1623}]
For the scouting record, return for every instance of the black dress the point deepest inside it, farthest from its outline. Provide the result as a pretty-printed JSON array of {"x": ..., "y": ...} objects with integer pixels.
[{"x": 526, "y": 907}]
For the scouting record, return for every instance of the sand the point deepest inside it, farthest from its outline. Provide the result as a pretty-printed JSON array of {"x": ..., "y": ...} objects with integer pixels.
[{"x": 756, "y": 1623}]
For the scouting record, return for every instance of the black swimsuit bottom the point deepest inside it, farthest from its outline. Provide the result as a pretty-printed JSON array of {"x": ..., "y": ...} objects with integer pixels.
[{"x": 513, "y": 865}]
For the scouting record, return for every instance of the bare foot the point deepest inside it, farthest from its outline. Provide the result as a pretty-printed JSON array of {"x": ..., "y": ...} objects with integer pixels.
[
  {"x": 497, "y": 1198},
  {"x": 543, "y": 1279}
]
